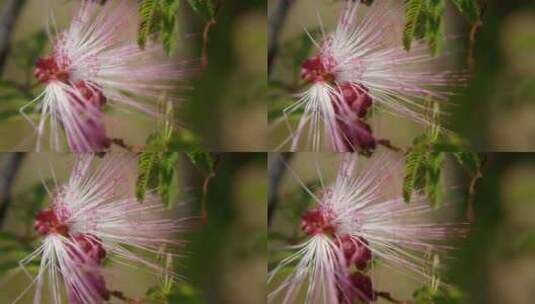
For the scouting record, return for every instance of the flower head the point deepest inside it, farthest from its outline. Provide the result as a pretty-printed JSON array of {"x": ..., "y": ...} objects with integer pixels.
[
  {"x": 92, "y": 217},
  {"x": 96, "y": 62},
  {"x": 356, "y": 66},
  {"x": 353, "y": 222}
]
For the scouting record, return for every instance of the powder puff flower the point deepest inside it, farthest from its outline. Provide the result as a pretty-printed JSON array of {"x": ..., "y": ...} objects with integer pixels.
[
  {"x": 353, "y": 221},
  {"x": 96, "y": 61},
  {"x": 90, "y": 219},
  {"x": 357, "y": 66}
]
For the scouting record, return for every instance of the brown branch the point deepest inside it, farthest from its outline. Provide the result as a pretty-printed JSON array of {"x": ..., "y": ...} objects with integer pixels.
[
  {"x": 386, "y": 296},
  {"x": 387, "y": 144},
  {"x": 472, "y": 41},
  {"x": 470, "y": 216},
  {"x": 120, "y": 295},
  {"x": 209, "y": 24},
  {"x": 470, "y": 60},
  {"x": 276, "y": 22},
  {"x": 8, "y": 171},
  {"x": 121, "y": 143},
  {"x": 204, "y": 213},
  {"x": 8, "y": 17},
  {"x": 276, "y": 168}
]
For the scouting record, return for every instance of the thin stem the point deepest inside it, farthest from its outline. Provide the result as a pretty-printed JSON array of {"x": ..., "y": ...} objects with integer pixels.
[
  {"x": 470, "y": 216},
  {"x": 204, "y": 212},
  {"x": 121, "y": 143},
  {"x": 8, "y": 17},
  {"x": 386, "y": 296},
  {"x": 276, "y": 168},
  {"x": 8, "y": 171},
  {"x": 120, "y": 296},
  {"x": 209, "y": 24}
]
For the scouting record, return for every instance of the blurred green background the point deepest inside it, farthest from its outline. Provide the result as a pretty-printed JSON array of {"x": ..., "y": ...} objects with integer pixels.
[
  {"x": 224, "y": 259},
  {"x": 228, "y": 95},
  {"x": 495, "y": 264},
  {"x": 495, "y": 112}
]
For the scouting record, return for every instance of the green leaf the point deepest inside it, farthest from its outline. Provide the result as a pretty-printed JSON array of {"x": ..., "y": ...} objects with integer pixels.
[
  {"x": 185, "y": 140},
  {"x": 413, "y": 163},
  {"x": 433, "y": 183},
  {"x": 433, "y": 27},
  {"x": 148, "y": 11},
  {"x": 169, "y": 25},
  {"x": 166, "y": 177},
  {"x": 469, "y": 160},
  {"x": 146, "y": 164},
  {"x": 423, "y": 170},
  {"x": 423, "y": 20},
  {"x": 202, "y": 160},
  {"x": 468, "y": 8},
  {"x": 205, "y": 8},
  {"x": 413, "y": 10}
]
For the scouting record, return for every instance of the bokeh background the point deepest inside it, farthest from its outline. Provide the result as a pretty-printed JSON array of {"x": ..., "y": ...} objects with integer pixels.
[
  {"x": 494, "y": 264},
  {"x": 222, "y": 257},
  {"x": 228, "y": 95},
  {"x": 495, "y": 112}
]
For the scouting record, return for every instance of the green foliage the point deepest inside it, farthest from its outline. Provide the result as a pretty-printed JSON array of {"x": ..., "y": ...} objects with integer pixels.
[
  {"x": 292, "y": 54},
  {"x": 205, "y": 8},
  {"x": 28, "y": 203},
  {"x": 185, "y": 140},
  {"x": 424, "y": 161},
  {"x": 413, "y": 11},
  {"x": 146, "y": 164},
  {"x": 12, "y": 99},
  {"x": 428, "y": 295},
  {"x": 157, "y": 170},
  {"x": 15, "y": 95},
  {"x": 297, "y": 49},
  {"x": 29, "y": 49},
  {"x": 202, "y": 160},
  {"x": 158, "y": 20},
  {"x": 469, "y": 160},
  {"x": 13, "y": 249},
  {"x": 468, "y": 8},
  {"x": 149, "y": 11},
  {"x": 433, "y": 27},
  {"x": 423, "y": 168},
  {"x": 157, "y": 163},
  {"x": 423, "y": 20},
  {"x": 169, "y": 25},
  {"x": 184, "y": 292}
]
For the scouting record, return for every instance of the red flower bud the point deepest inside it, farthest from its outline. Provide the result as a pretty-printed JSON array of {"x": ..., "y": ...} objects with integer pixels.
[
  {"x": 317, "y": 220},
  {"x": 355, "y": 250},
  {"x": 357, "y": 136},
  {"x": 317, "y": 69}
]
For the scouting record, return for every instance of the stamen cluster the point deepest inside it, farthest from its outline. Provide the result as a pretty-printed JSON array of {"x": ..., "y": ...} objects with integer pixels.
[
  {"x": 354, "y": 254},
  {"x": 47, "y": 69},
  {"x": 87, "y": 101},
  {"x": 85, "y": 250},
  {"x": 351, "y": 104}
]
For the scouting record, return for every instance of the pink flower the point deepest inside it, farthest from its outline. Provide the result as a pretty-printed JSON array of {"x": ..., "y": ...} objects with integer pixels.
[
  {"x": 94, "y": 63},
  {"x": 357, "y": 66},
  {"x": 354, "y": 221},
  {"x": 93, "y": 217}
]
